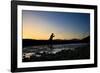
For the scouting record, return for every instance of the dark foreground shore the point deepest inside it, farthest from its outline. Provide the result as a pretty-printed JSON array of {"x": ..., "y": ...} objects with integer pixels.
[{"x": 79, "y": 53}]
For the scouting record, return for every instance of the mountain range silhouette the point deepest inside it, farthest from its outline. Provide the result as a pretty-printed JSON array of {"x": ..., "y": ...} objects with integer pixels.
[{"x": 31, "y": 42}]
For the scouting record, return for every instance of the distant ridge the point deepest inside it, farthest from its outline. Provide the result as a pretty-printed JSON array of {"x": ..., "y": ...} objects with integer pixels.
[
  {"x": 86, "y": 39},
  {"x": 31, "y": 42}
]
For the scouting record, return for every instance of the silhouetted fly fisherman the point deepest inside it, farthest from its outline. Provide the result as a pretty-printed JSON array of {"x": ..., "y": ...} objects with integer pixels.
[
  {"x": 51, "y": 37},
  {"x": 51, "y": 41}
]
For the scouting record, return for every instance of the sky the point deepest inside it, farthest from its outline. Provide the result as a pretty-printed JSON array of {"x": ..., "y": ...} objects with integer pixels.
[{"x": 65, "y": 25}]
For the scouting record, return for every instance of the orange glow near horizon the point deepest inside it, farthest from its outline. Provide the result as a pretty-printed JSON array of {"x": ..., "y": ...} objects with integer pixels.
[
  {"x": 43, "y": 33},
  {"x": 39, "y": 26}
]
